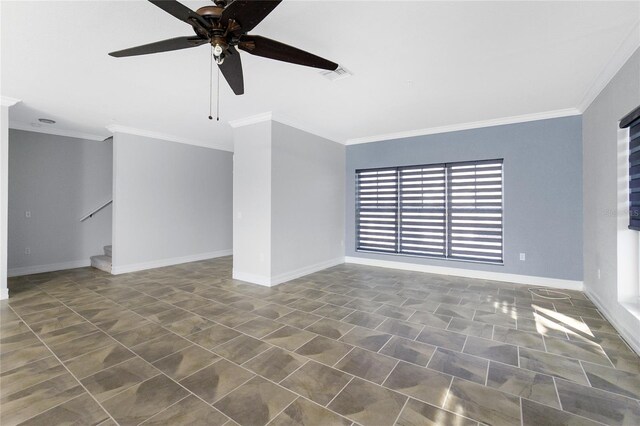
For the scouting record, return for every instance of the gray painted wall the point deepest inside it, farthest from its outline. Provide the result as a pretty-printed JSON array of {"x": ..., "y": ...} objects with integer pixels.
[
  {"x": 59, "y": 180},
  {"x": 608, "y": 245},
  {"x": 172, "y": 202},
  {"x": 252, "y": 200},
  {"x": 542, "y": 190},
  {"x": 307, "y": 210}
]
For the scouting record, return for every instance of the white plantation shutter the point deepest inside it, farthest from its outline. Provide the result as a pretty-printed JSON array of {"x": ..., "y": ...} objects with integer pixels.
[{"x": 449, "y": 210}]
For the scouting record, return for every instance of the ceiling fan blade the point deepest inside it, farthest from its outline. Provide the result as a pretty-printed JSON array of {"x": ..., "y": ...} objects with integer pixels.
[
  {"x": 248, "y": 13},
  {"x": 262, "y": 46},
  {"x": 232, "y": 70},
  {"x": 180, "y": 11},
  {"x": 161, "y": 46}
]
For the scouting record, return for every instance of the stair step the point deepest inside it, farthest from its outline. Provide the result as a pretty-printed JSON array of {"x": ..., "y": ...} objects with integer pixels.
[
  {"x": 101, "y": 262},
  {"x": 107, "y": 251}
]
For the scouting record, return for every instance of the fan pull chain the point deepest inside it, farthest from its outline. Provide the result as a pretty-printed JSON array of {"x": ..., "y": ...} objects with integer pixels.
[
  {"x": 218, "y": 98},
  {"x": 211, "y": 82}
]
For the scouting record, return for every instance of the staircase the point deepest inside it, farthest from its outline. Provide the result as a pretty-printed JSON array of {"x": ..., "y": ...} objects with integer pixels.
[{"x": 102, "y": 262}]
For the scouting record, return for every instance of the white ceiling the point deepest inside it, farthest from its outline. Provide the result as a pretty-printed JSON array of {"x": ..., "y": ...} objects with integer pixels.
[{"x": 416, "y": 64}]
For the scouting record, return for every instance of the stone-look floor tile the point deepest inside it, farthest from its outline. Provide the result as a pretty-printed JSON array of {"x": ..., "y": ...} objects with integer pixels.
[
  {"x": 82, "y": 345},
  {"x": 368, "y": 404},
  {"x": 364, "y": 319},
  {"x": 40, "y": 397},
  {"x": 289, "y": 338},
  {"x": 400, "y": 328},
  {"x": 422, "y": 305},
  {"x": 248, "y": 304},
  {"x": 23, "y": 356},
  {"x": 583, "y": 351},
  {"x": 431, "y": 320},
  {"x": 483, "y": 404},
  {"x": 460, "y": 365},
  {"x": 330, "y": 328},
  {"x": 306, "y": 305},
  {"x": 234, "y": 317},
  {"x": 217, "y": 380},
  {"x": 257, "y": 402},
  {"x": 492, "y": 350},
  {"x": 421, "y": 383},
  {"x": 317, "y": 382},
  {"x": 188, "y": 411},
  {"x": 499, "y": 319},
  {"x": 299, "y": 319},
  {"x": 241, "y": 349},
  {"x": 81, "y": 410},
  {"x": 471, "y": 328},
  {"x": 213, "y": 336},
  {"x": 68, "y": 333},
  {"x": 30, "y": 374},
  {"x": 612, "y": 380},
  {"x": 211, "y": 310},
  {"x": 624, "y": 359},
  {"x": 144, "y": 333},
  {"x": 123, "y": 322},
  {"x": 273, "y": 311},
  {"x": 333, "y": 312},
  {"x": 107, "y": 383},
  {"x": 600, "y": 325},
  {"x": 408, "y": 350},
  {"x": 456, "y": 311},
  {"x": 153, "y": 350},
  {"x": 336, "y": 299},
  {"x": 259, "y": 327},
  {"x": 542, "y": 326},
  {"x": 185, "y": 362},
  {"x": 17, "y": 341},
  {"x": 57, "y": 323},
  {"x": 36, "y": 307},
  {"x": 523, "y": 383},
  {"x": 366, "y": 338},
  {"x": 141, "y": 401},
  {"x": 302, "y": 412},
  {"x": 534, "y": 414},
  {"x": 190, "y": 325},
  {"x": 442, "y": 338},
  {"x": 553, "y": 365},
  {"x": 11, "y": 328},
  {"x": 362, "y": 305},
  {"x": 395, "y": 312},
  {"x": 366, "y": 365},
  {"x": 326, "y": 351},
  {"x": 601, "y": 406},
  {"x": 416, "y": 413},
  {"x": 518, "y": 338},
  {"x": 275, "y": 364},
  {"x": 102, "y": 358}
]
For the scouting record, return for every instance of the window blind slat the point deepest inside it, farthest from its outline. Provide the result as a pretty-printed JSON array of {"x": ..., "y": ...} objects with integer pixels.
[{"x": 440, "y": 210}]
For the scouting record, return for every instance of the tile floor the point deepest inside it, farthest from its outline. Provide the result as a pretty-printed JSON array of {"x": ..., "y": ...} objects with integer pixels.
[{"x": 351, "y": 344}]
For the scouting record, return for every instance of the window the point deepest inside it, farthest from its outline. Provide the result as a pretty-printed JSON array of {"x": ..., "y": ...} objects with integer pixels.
[
  {"x": 632, "y": 121},
  {"x": 451, "y": 210}
]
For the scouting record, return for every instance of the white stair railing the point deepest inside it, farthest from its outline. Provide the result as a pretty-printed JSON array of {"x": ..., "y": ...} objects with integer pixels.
[{"x": 96, "y": 210}]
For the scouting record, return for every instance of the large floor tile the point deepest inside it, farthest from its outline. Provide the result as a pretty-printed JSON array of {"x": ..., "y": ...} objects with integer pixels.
[
  {"x": 481, "y": 403},
  {"x": 418, "y": 413},
  {"x": 303, "y": 412},
  {"x": 317, "y": 382},
  {"x": 215, "y": 381},
  {"x": 421, "y": 383}
]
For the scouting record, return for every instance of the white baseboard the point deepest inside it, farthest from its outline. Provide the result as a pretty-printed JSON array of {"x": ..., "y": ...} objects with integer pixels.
[
  {"x": 630, "y": 336},
  {"x": 39, "y": 269},
  {"x": 251, "y": 278},
  {"x": 471, "y": 273},
  {"x": 123, "y": 269},
  {"x": 4, "y": 293},
  {"x": 287, "y": 276}
]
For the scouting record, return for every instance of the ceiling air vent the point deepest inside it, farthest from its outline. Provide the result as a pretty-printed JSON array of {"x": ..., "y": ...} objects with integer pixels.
[{"x": 338, "y": 74}]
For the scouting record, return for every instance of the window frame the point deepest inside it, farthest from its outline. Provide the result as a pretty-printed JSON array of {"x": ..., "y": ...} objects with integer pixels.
[{"x": 447, "y": 232}]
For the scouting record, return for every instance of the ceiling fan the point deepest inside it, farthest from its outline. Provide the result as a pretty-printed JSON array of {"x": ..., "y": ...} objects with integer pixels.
[{"x": 225, "y": 27}]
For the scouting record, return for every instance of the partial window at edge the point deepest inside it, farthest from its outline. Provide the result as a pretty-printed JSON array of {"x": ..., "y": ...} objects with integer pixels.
[
  {"x": 451, "y": 211},
  {"x": 632, "y": 121}
]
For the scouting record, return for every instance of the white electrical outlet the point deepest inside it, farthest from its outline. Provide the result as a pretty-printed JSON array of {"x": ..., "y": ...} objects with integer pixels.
[
  {"x": 27, "y": 250},
  {"x": 523, "y": 256},
  {"x": 27, "y": 214}
]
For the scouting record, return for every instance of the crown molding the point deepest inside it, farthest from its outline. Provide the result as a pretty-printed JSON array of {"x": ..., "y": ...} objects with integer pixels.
[
  {"x": 282, "y": 119},
  {"x": 117, "y": 128},
  {"x": 252, "y": 119},
  {"x": 468, "y": 126},
  {"x": 6, "y": 101},
  {"x": 619, "y": 57},
  {"x": 49, "y": 130}
]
